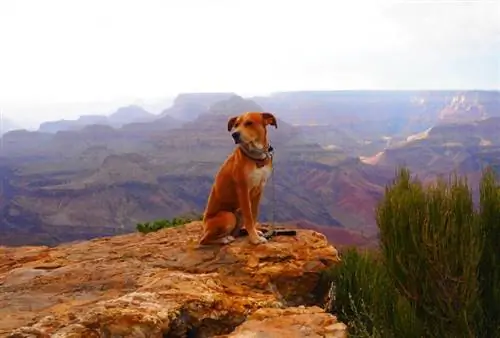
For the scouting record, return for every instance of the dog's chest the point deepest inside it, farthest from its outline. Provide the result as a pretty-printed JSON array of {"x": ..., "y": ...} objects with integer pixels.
[{"x": 258, "y": 176}]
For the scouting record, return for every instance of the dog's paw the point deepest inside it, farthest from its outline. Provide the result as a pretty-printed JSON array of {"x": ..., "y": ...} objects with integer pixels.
[
  {"x": 257, "y": 240},
  {"x": 227, "y": 239}
]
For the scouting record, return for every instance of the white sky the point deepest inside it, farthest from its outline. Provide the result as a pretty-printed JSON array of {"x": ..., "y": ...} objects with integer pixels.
[{"x": 57, "y": 52}]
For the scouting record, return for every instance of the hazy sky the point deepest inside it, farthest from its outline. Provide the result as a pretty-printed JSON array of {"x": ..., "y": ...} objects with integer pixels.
[{"x": 115, "y": 51}]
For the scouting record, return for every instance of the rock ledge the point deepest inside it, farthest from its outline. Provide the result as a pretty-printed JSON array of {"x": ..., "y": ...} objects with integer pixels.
[{"x": 164, "y": 285}]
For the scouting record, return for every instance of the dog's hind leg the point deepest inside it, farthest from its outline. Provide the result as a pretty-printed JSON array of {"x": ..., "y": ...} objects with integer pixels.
[
  {"x": 238, "y": 229},
  {"x": 219, "y": 228}
]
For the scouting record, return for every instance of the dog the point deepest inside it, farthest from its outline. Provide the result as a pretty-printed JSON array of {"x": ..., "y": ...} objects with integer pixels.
[{"x": 236, "y": 193}]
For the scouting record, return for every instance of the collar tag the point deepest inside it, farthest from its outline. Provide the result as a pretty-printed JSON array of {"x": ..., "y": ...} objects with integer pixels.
[{"x": 270, "y": 151}]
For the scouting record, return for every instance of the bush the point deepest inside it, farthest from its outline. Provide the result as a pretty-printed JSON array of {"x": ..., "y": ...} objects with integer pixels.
[
  {"x": 165, "y": 223},
  {"x": 366, "y": 300},
  {"x": 438, "y": 270},
  {"x": 489, "y": 265},
  {"x": 432, "y": 248}
]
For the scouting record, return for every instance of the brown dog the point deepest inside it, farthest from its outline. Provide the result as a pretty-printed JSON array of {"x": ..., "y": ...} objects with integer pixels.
[{"x": 240, "y": 181}]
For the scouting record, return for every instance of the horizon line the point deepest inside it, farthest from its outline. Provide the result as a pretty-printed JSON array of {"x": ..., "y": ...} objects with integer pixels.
[{"x": 243, "y": 94}]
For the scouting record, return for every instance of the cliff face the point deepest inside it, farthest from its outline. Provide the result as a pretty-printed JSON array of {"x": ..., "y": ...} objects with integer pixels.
[{"x": 164, "y": 284}]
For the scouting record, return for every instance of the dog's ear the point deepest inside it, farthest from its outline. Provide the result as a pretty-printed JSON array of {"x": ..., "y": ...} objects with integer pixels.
[
  {"x": 231, "y": 122},
  {"x": 269, "y": 119}
]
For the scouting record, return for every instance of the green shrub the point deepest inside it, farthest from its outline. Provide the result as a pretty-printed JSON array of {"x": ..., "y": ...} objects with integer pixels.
[
  {"x": 438, "y": 270},
  {"x": 366, "y": 299},
  {"x": 489, "y": 266},
  {"x": 165, "y": 223},
  {"x": 432, "y": 246}
]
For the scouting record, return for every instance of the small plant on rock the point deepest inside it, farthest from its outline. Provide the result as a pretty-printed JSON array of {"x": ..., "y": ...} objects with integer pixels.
[{"x": 153, "y": 226}]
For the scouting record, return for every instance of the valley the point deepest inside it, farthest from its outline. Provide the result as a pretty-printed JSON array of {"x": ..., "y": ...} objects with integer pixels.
[{"x": 335, "y": 152}]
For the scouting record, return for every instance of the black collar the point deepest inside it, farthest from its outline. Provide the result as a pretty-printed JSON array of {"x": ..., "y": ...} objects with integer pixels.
[{"x": 258, "y": 156}]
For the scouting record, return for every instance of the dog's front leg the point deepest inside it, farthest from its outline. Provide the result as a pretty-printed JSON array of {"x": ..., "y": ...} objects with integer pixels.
[
  {"x": 247, "y": 213},
  {"x": 255, "y": 200}
]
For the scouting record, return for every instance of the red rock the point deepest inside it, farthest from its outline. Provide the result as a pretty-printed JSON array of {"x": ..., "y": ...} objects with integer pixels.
[
  {"x": 161, "y": 283},
  {"x": 297, "y": 322}
]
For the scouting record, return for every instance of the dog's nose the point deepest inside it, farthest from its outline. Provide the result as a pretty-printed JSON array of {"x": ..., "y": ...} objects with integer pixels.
[{"x": 236, "y": 136}]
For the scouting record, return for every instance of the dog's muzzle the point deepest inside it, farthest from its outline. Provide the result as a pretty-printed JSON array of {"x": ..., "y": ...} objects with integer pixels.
[{"x": 236, "y": 137}]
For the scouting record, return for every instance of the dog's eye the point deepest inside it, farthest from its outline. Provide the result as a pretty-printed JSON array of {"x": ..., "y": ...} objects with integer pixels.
[{"x": 248, "y": 123}]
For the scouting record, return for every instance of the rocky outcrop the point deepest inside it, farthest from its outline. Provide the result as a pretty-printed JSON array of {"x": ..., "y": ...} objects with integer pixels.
[
  {"x": 294, "y": 322},
  {"x": 65, "y": 125},
  {"x": 164, "y": 285},
  {"x": 233, "y": 105},
  {"x": 188, "y": 106},
  {"x": 121, "y": 117},
  {"x": 130, "y": 114}
]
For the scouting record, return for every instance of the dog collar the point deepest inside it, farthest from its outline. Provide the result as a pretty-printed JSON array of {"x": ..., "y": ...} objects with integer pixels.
[{"x": 260, "y": 157}]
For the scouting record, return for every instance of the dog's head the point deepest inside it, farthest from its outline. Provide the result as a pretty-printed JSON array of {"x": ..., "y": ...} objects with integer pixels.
[{"x": 250, "y": 128}]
